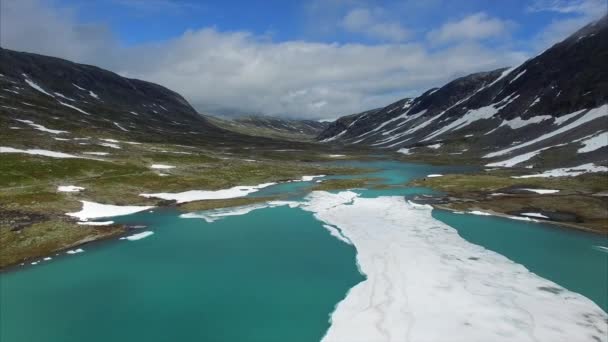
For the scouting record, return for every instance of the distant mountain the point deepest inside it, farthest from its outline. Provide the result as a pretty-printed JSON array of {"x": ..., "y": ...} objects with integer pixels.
[
  {"x": 551, "y": 110},
  {"x": 43, "y": 89},
  {"x": 267, "y": 126}
]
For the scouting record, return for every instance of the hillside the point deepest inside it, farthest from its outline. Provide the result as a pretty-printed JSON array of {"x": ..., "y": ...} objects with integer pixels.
[
  {"x": 549, "y": 112},
  {"x": 266, "y": 126}
]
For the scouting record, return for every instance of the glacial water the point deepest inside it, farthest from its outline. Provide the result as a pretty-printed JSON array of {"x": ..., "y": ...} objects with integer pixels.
[{"x": 274, "y": 274}]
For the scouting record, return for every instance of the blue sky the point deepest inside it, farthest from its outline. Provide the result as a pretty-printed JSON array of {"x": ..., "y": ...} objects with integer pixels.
[
  {"x": 144, "y": 21},
  {"x": 314, "y": 59}
]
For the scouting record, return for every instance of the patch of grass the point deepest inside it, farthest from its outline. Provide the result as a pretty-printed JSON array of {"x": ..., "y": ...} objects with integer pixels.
[
  {"x": 489, "y": 182},
  {"x": 343, "y": 184},
  {"x": 44, "y": 238},
  {"x": 575, "y": 197}
]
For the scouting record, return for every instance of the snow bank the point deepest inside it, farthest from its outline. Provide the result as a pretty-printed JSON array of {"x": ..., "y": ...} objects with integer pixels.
[
  {"x": 38, "y": 152},
  {"x": 426, "y": 283},
  {"x": 568, "y": 171},
  {"x": 96, "y": 153},
  {"x": 537, "y": 215},
  {"x": 480, "y": 213},
  {"x": 41, "y": 128},
  {"x": 73, "y": 107},
  {"x": 434, "y": 175},
  {"x": 310, "y": 178},
  {"x": 75, "y": 251},
  {"x": 92, "y": 210},
  {"x": 198, "y": 195},
  {"x": 594, "y": 143},
  {"x": 405, "y": 151},
  {"x": 161, "y": 166},
  {"x": 138, "y": 236},
  {"x": 69, "y": 188},
  {"x": 591, "y": 115},
  {"x": 543, "y": 191},
  {"x": 110, "y": 145},
  {"x": 37, "y": 87},
  {"x": 217, "y": 214},
  {"x": 518, "y": 122},
  {"x": 98, "y": 223}
]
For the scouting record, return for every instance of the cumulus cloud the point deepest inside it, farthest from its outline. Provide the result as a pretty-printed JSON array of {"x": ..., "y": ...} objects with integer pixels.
[
  {"x": 476, "y": 26},
  {"x": 375, "y": 24},
  {"x": 225, "y": 72}
]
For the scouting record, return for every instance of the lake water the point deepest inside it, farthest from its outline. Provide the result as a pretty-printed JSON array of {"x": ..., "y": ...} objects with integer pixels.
[{"x": 273, "y": 274}]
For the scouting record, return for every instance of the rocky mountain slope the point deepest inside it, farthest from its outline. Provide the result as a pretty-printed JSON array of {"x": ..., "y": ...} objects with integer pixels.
[
  {"x": 551, "y": 111},
  {"x": 267, "y": 126},
  {"x": 83, "y": 95}
]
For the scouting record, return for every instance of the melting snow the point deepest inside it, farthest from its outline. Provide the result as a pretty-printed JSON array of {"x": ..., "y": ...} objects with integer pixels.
[
  {"x": 198, "y": 195},
  {"x": 519, "y": 122},
  {"x": 138, "y": 236},
  {"x": 75, "y": 85},
  {"x": 39, "y": 152},
  {"x": 468, "y": 118},
  {"x": 111, "y": 145},
  {"x": 310, "y": 178},
  {"x": 161, "y": 166},
  {"x": 41, "y": 128},
  {"x": 96, "y": 223},
  {"x": 517, "y": 76},
  {"x": 96, "y": 153},
  {"x": 69, "y": 188},
  {"x": 537, "y": 215},
  {"x": 542, "y": 191},
  {"x": 589, "y": 116},
  {"x": 37, "y": 87},
  {"x": 405, "y": 151},
  {"x": 424, "y": 282},
  {"x": 73, "y": 107},
  {"x": 119, "y": 126},
  {"x": 568, "y": 171},
  {"x": 75, "y": 251},
  {"x": 64, "y": 97},
  {"x": 92, "y": 210},
  {"x": 594, "y": 143}
]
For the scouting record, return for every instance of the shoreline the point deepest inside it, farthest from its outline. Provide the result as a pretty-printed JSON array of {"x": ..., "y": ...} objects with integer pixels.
[{"x": 565, "y": 225}]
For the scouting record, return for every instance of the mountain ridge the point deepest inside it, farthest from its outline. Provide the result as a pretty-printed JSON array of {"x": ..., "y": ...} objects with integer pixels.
[{"x": 566, "y": 86}]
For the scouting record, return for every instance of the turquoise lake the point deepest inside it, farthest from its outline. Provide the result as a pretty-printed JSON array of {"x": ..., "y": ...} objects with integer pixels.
[{"x": 274, "y": 274}]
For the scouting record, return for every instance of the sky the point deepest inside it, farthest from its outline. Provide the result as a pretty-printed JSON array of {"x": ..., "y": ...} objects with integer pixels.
[{"x": 315, "y": 59}]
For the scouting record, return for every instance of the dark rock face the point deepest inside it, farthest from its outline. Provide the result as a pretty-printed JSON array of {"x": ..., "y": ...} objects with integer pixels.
[{"x": 497, "y": 109}]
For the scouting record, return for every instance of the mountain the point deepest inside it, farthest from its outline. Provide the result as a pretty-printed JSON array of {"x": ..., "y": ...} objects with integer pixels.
[
  {"x": 42, "y": 89},
  {"x": 267, "y": 126},
  {"x": 550, "y": 111}
]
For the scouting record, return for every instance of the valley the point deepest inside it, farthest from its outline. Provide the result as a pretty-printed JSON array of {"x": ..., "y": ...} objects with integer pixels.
[{"x": 476, "y": 209}]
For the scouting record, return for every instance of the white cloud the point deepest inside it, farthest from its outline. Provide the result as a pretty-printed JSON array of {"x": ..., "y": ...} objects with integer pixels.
[
  {"x": 586, "y": 7},
  {"x": 375, "y": 24},
  {"x": 476, "y": 26},
  {"x": 575, "y": 14},
  {"x": 239, "y": 71}
]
